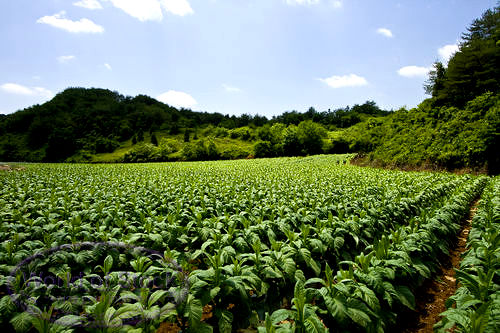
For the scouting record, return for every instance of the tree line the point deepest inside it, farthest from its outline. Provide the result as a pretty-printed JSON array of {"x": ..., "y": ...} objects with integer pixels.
[{"x": 97, "y": 120}]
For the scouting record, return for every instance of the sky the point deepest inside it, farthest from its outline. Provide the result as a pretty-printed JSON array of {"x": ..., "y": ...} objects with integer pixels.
[{"x": 230, "y": 56}]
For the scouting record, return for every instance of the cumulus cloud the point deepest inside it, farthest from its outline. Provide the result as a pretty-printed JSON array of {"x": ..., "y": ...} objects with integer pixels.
[
  {"x": 385, "y": 32},
  {"x": 108, "y": 66},
  {"x": 60, "y": 21},
  {"x": 414, "y": 71},
  {"x": 17, "y": 89},
  {"x": 151, "y": 10},
  {"x": 351, "y": 80},
  {"x": 447, "y": 51},
  {"x": 232, "y": 89},
  {"x": 177, "y": 7},
  {"x": 65, "y": 59},
  {"x": 143, "y": 10},
  {"x": 89, "y": 4},
  {"x": 303, "y": 2},
  {"x": 177, "y": 99}
]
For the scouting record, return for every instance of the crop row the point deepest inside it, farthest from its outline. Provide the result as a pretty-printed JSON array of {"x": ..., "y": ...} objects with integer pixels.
[
  {"x": 475, "y": 307},
  {"x": 242, "y": 233},
  {"x": 368, "y": 294}
]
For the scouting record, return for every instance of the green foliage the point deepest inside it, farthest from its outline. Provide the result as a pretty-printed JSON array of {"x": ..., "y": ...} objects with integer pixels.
[
  {"x": 154, "y": 140},
  {"x": 204, "y": 149},
  {"x": 474, "y": 69},
  {"x": 77, "y": 118},
  {"x": 310, "y": 136},
  {"x": 475, "y": 307},
  {"x": 143, "y": 152},
  {"x": 304, "y": 139},
  {"x": 314, "y": 241},
  {"x": 263, "y": 149},
  {"x": 446, "y": 137},
  {"x": 140, "y": 135}
]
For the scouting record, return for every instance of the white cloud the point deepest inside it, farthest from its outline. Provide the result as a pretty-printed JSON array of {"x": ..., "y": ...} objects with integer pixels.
[
  {"x": 108, "y": 66},
  {"x": 447, "y": 51},
  {"x": 177, "y": 7},
  {"x": 351, "y": 80},
  {"x": 414, "y": 71},
  {"x": 177, "y": 99},
  {"x": 151, "y": 10},
  {"x": 89, "y": 4},
  {"x": 385, "y": 32},
  {"x": 59, "y": 21},
  {"x": 232, "y": 89},
  {"x": 17, "y": 89},
  {"x": 302, "y": 2},
  {"x": 143, "y": 10},
  {"x": 65, "y": 59}
]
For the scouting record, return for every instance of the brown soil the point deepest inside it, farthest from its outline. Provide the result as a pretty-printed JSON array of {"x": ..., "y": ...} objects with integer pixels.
[
  {"x": 5, "y": 167},
  {"x": 168, "y": 328},
  {"x": 431, "y": 298}
]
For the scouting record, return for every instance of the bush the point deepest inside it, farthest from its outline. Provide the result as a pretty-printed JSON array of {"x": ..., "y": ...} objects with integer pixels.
[
  {"x": 221, "y": 132},
  {"x": 200, "y": 150},
  {"x": 243, "y": 133},
  {"x": 143, "y": 152},
  {"x": 263, "y": 149},
  {"x": 105, "y": 145},
  {"x": 234, "y": 153}
]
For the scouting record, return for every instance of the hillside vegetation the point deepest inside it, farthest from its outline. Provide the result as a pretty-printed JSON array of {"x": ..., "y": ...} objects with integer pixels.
[{"x": 457, "y": 127}]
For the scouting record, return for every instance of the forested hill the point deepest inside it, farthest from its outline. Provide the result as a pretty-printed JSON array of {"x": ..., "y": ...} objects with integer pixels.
[{"x": 99, "y": 120}]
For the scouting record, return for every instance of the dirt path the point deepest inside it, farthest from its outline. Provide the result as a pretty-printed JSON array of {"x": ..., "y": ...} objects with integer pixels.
[{"x": 433, "y": 294}]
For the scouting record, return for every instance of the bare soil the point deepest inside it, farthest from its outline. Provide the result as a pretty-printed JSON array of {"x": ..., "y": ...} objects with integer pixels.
[
  {"x": 6, "y": 167},
  {"x": 431, "y": 298}
]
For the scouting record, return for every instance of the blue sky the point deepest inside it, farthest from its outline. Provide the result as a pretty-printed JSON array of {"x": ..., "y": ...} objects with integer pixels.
[{"x": 229, "y": 56}]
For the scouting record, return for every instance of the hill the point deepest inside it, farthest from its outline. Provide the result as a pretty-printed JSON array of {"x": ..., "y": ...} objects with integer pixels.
[
  {"x": 79, "y": 123},
  {"x": 432, "y": 137}
]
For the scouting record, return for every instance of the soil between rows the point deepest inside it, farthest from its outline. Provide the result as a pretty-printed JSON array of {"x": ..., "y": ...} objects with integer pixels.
[{"x": 432, "y": 296}]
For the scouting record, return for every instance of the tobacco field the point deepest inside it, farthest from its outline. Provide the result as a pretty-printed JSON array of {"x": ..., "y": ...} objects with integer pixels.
[{"x": 307, "y": 244}]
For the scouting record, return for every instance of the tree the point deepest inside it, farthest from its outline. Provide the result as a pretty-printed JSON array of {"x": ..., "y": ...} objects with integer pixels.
[
  {"x": 474, "y": 69},
  {"x": 154, "y": 140},
  {"x": 311, "y": 136},
  {"x": 140, "y": 135},
  {"x": 262, "y": 149},
  {"x": 61, "y": 144},
  {"x": 291, "y": 142},
  {"x": 186, "y": 136},
  {"x": 437, "y": 76}
]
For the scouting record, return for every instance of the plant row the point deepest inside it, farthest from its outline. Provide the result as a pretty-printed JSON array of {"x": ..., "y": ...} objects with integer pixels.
[
  {"x": 475, "y": 306},
  {"x": 241, "y": 234},
  {"x": 371, "y": 291}
]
